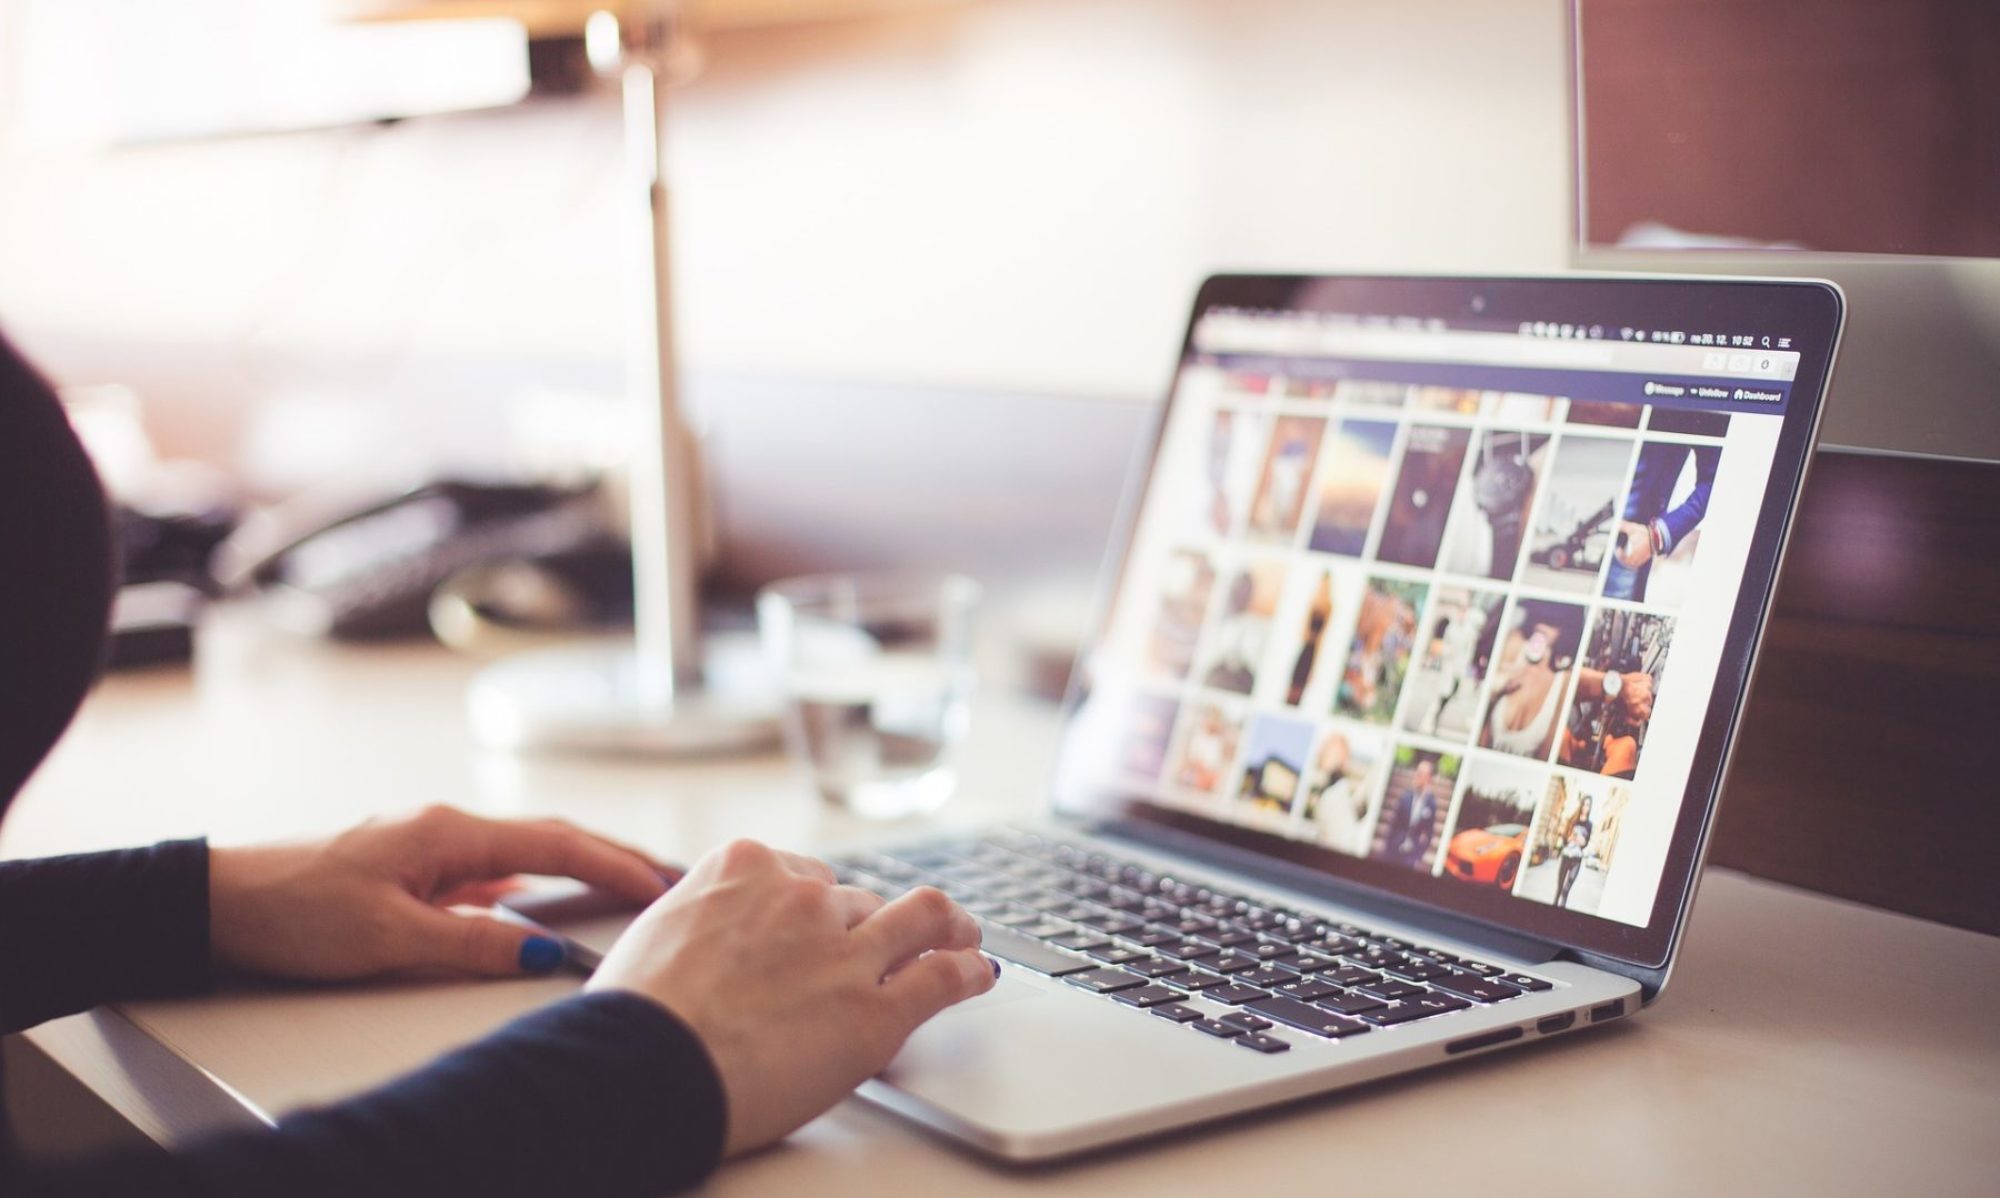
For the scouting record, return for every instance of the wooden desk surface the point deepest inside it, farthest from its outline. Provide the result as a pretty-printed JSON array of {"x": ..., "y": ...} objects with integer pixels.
[{"x": 1804, "y": 1045}]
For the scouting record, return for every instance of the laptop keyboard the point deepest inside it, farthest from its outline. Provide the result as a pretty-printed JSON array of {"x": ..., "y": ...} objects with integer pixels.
[{"x": 1223, "y": 964}]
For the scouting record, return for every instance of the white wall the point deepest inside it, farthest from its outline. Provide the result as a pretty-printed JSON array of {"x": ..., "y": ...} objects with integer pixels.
[{"x": 1016, "y": 194}]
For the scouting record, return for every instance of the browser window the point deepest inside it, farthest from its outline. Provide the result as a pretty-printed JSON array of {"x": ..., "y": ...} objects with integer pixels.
[{"x": 1452, "y": 600}]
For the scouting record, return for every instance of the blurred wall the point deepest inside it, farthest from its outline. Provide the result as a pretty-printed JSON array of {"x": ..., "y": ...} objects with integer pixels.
[{"x": 1015, "y": 195}]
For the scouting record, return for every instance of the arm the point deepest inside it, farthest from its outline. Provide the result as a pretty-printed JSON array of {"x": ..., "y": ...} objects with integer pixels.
[
  {"x": 602, "y": 1094},
  {"x": 1675, "y": 525},
  {"x": 78, "y": 931}
]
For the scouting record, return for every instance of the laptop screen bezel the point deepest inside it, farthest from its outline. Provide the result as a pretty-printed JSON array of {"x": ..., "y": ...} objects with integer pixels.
[{"x": 1808, "y": 312}]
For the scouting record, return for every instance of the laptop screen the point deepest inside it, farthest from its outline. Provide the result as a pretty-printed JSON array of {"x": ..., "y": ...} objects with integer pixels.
[{"x": 1450, "y": 586}]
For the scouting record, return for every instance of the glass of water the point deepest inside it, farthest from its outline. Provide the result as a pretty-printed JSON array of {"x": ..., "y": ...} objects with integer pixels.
[{"x": 877, "y": 671}]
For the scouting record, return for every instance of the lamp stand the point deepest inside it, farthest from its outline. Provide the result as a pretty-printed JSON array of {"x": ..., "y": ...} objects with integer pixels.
[{"x": 668, "y": 691}]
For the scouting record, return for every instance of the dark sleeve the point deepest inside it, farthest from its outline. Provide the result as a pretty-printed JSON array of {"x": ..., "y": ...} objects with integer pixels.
[
  {"x": 603, "y": 1094},
  {"x": 82, "y": 930}
]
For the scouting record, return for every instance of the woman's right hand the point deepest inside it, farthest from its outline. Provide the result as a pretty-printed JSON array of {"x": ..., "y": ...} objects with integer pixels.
[{"x": 800, "y": 988}]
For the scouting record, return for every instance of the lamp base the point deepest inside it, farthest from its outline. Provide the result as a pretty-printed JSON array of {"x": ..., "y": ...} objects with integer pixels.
[{"x": 588, "y": 699}]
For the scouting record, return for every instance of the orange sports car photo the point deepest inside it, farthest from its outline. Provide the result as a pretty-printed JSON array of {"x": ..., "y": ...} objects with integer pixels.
[{"x": 1491, "y": 855}]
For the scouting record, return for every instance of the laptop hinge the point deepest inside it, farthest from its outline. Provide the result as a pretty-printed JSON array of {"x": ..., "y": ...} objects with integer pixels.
[{"x": 1319, "y": 885}]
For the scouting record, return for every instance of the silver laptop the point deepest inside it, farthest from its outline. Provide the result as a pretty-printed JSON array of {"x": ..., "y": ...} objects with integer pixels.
[{"x": 1409, "y": 705}]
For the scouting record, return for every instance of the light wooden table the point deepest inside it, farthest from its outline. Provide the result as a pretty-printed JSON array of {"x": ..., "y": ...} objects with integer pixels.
[{"x": 1804, "y": 1046}]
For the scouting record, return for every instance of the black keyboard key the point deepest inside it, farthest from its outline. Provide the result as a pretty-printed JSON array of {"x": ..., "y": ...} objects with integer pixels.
[
  {"x": 1199, "y": 979},
  {"x": 1391, "y": 989},
  {"x": 1215, "y": 1027},
  {"x": 1247, "y": 1021},
  {"x": 1422, "y": 1006},
  {"x": 1307, "y": 1017},
  {"x": 1152, "y": 936},
  {"x": 1522, "y": 981},
  {"x": 1114, "y": 924},
  {"x": 1268, "y": 976},
  {"x": 1413, "y": 969},
  {"x": 1118, "y": 954},
  {"x": 1233, "y": 995},
  {"x": 1193, "y": 925},
  {"x": 1079, "y": 940},
  {"x": 1016, "y": 917},
  {"x": 1308, "y": 989},
  {"x": 1189, "y": 950},
  {"x": 1333, "y": 945},
  {"x": 1263, "y": 1042},
  {"x": 1311, "y": 963},
  {"x": 1270, "y": 950},
  {"x": 1229, "y": 936},
  {"x": 1351, "y": 1003},
  {"x": 1157, "y": 967},
  {"x": 1229, "y": 963},
  {"x": 1149, "y": 996},
  {"x": 1012, "y": 946},
  {"x": 1481, "y": 968},
  {"x": 1044, "y": 928},
  {"x": 1351, "y": 975},
  {"x": 1469, "y": 985},
  {"x": 1105, "y": 981},
  {"x": 1074, "y": 911},
  {"x": 1178, "y": 1013}
]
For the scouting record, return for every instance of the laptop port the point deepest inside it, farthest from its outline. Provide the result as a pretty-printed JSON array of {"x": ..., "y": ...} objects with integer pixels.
[
  {"x": 1609, "y": 1010},
  {"x": 1483, "y": 1040},
  {"x": 1549, "y": 1024}
]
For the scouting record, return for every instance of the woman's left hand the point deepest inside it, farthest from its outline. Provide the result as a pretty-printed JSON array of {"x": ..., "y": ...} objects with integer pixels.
[{"x": 376, "y": 898}]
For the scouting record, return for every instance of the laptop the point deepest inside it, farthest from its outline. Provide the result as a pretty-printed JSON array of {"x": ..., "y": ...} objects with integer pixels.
[{"x": 1408, "y": 707}]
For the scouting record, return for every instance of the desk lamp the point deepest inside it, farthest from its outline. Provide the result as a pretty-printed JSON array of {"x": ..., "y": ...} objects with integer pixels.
[{"x": 669, "y": 691}]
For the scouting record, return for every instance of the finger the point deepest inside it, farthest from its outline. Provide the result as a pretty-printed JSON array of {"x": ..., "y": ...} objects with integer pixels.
[
  {"x": 475, "y": 944},
  {"x": 478, "y": 894},
  {"x": 857, "y": 904},
  {"x": 500, "y": 848},
  {"x": 809, "y": 867},
  {"x": 916, "y": 922},
  {"x": 937, "y": 980}
]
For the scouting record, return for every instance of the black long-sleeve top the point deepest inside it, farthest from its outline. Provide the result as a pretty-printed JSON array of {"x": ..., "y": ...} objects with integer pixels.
[{"x": 600, "y": 1094}]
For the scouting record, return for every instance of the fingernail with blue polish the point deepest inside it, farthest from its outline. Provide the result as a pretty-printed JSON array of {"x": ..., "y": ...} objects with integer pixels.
[
  {"x": 540, "y": 954},
  {"x": 995, "y": 963}
]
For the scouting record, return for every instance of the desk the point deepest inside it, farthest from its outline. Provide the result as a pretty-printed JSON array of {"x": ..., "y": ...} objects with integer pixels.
[{"x": 1805, "y": 1045}]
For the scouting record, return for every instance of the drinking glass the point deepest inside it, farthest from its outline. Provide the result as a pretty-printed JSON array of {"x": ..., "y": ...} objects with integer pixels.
[{"x": 878, "y": 678}]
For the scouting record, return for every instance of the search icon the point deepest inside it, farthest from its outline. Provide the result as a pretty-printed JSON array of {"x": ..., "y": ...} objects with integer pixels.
[{"x": 1767, "y": 343}]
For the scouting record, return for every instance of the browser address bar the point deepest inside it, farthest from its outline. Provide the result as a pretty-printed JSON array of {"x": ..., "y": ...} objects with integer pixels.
[{"x": 1228, "y": 333}]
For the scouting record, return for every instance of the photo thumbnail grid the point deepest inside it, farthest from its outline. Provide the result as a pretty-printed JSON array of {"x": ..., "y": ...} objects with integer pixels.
[{"x": 1421, "y": 625}]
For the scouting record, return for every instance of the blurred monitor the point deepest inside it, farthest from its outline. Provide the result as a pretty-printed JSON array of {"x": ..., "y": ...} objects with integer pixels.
[{"x": 1857, "y": 140}]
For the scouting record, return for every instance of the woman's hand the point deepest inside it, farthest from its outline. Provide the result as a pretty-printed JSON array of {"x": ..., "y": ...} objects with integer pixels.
[
  {"x": 374, "y": 899},
  {"x": 801, "y": 989}
]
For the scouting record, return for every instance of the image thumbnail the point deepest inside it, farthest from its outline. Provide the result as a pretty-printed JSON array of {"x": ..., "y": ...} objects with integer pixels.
[
  {"x": 1309, "y": 389},
  {"x": 1274, "y": 763},
  {"x": 1446, "y": 399},
  {"x": 1609, "y": 415},
  {"x": 1421, "y": 500},
  {"x": 1144, "y": 729},
  {"x": 1573, "y": 842},
  {"x": 1414, "y": 807},
  {"x": 1205, "y": 748},
  {"x": 1573, "y": 527},
  {"x": 1379, "y": 657},
  {"x": 1490, "y": 513},
  {"x": 1689, "y": 422},
  {"x": 1371, "y": 395},
  {"x": 1243, "y": 628},
  {"x": 1508, "y": 407},
  {"x": 1616, "y": 686},
  {"x": 1243, "y": 386},
  {"x": 1453, "y": 654},
  {"x": 1351, "y": 486},
  {"x": 1489, "y": 836},
  {"x": 1235, "y": 439},
  {"x": 1319, "y": 614},
  {"x": 1283, "y": 482},
  {"x": 1659, "y": 526},
  {"x": 1341, "y": 796},
  {"x": 1531, "y": 673},
  {"x": 1186, "y": 582}
]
